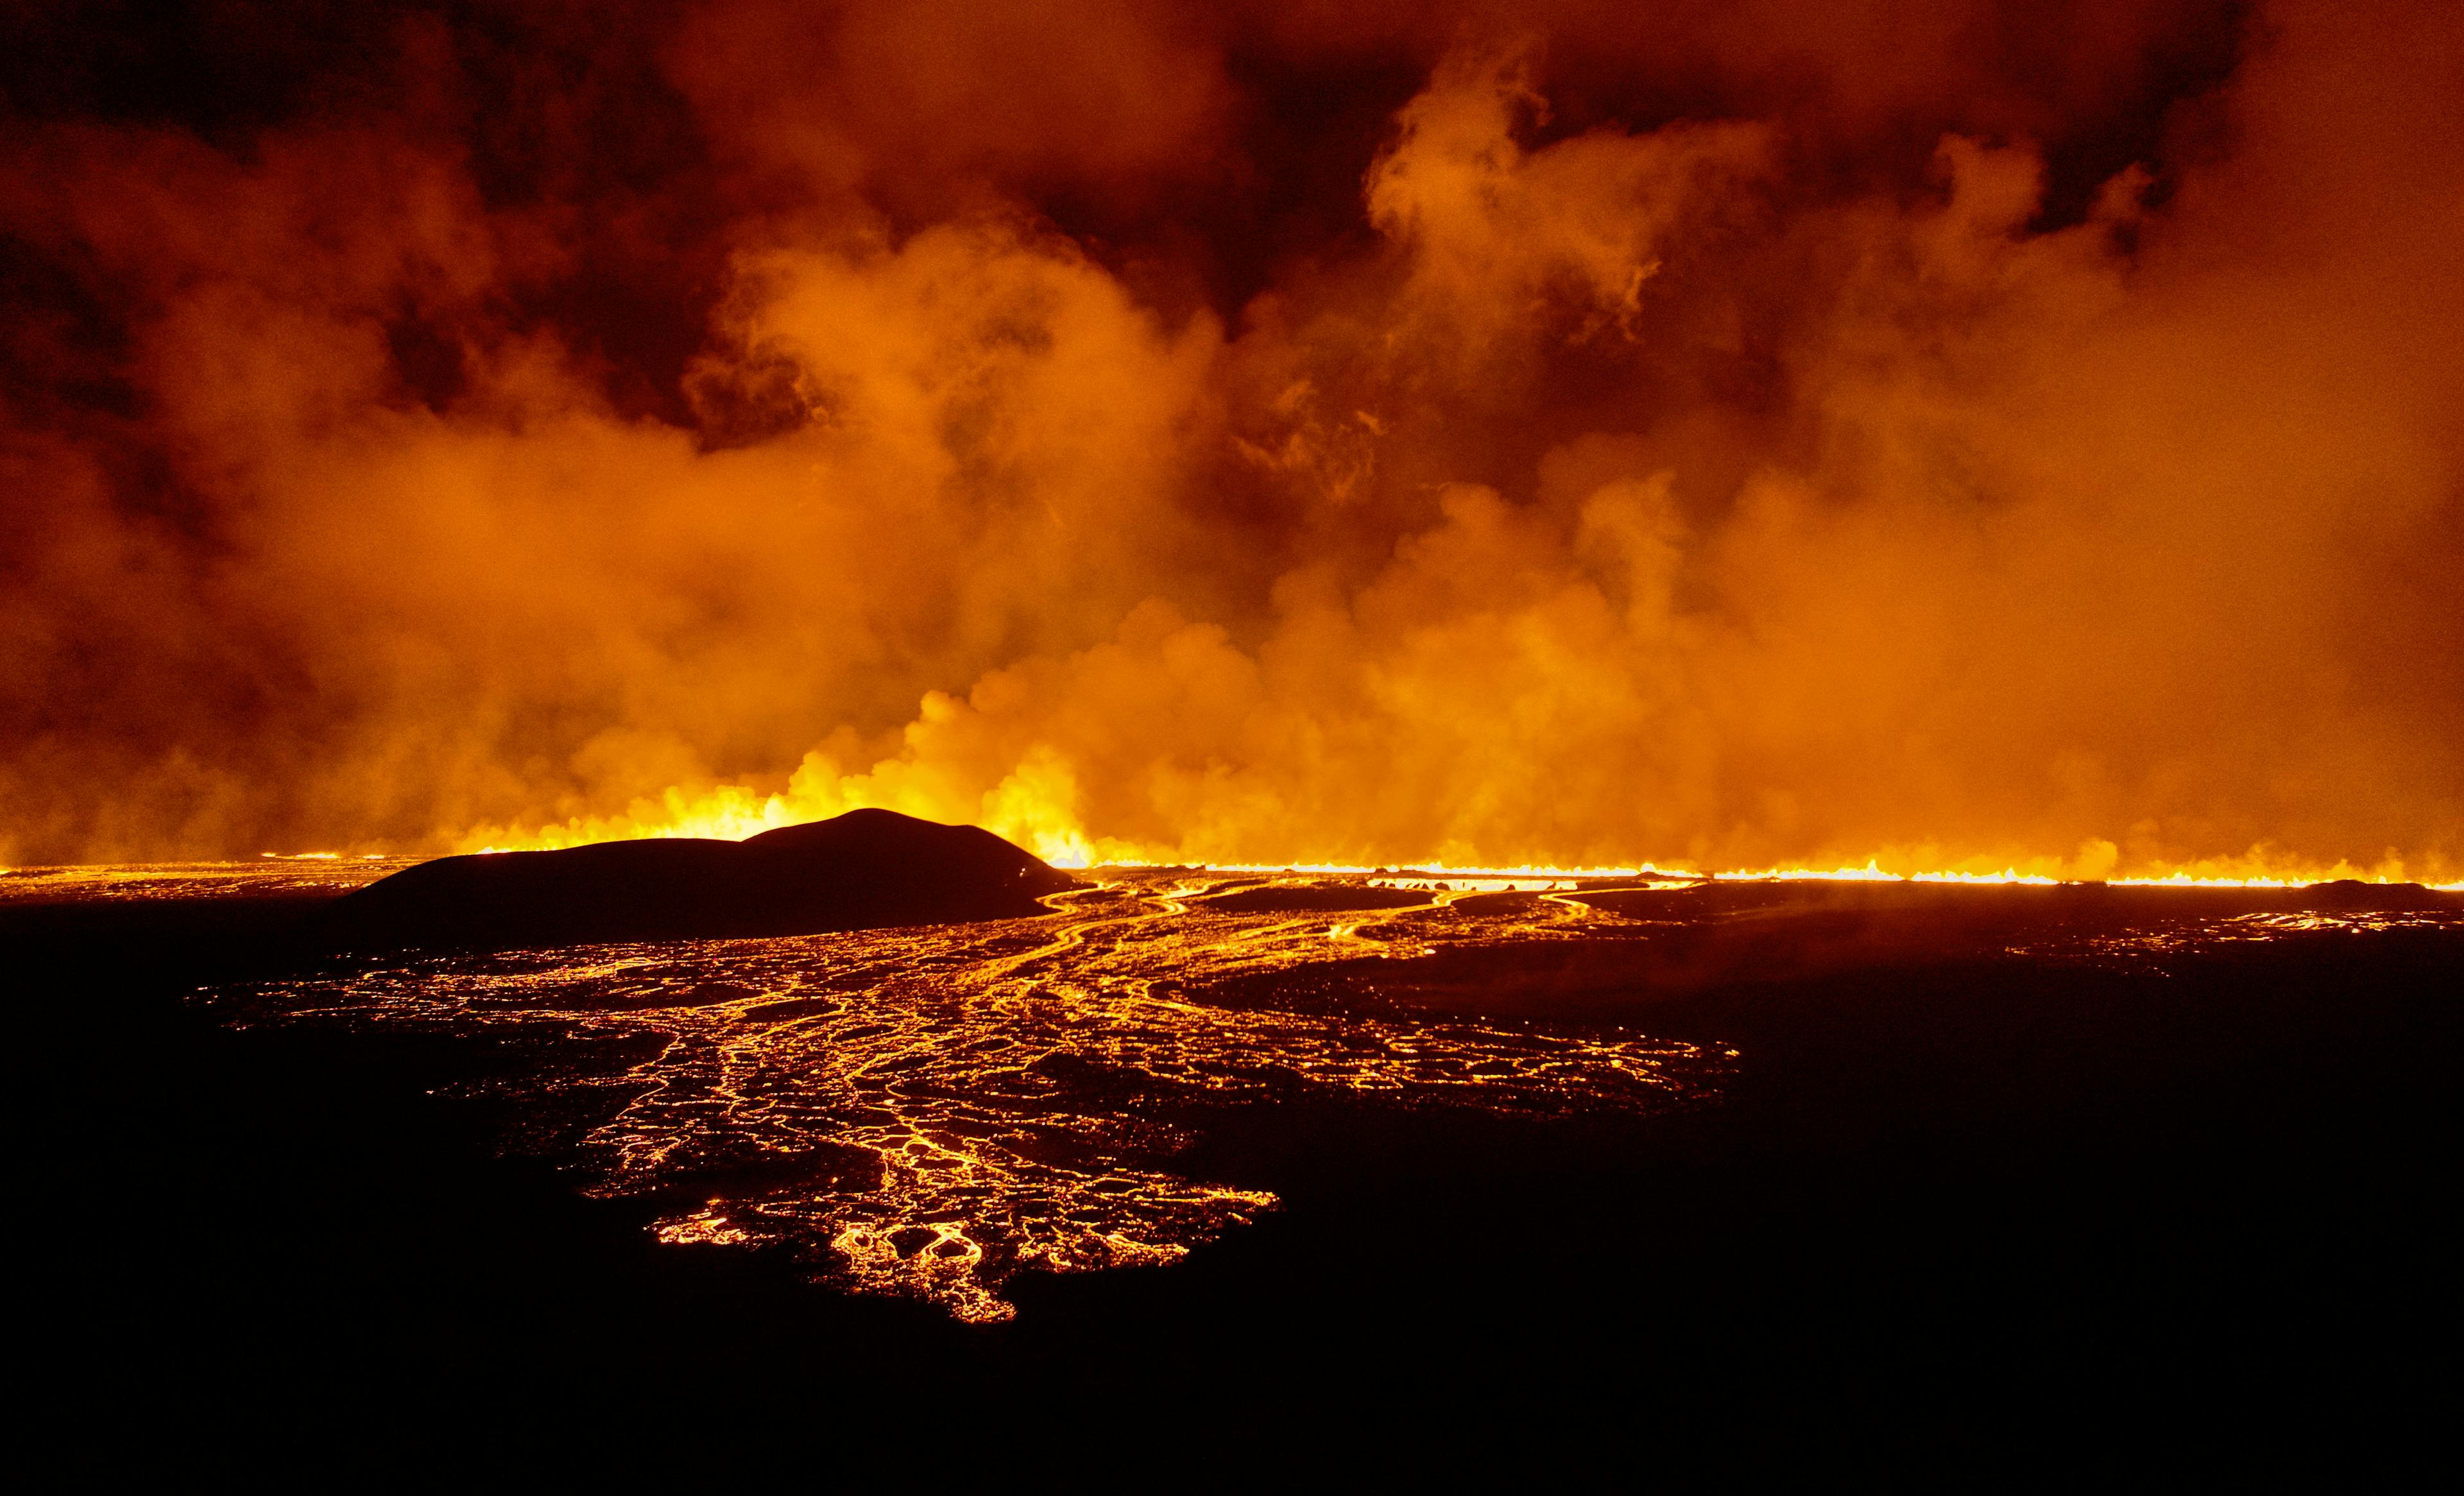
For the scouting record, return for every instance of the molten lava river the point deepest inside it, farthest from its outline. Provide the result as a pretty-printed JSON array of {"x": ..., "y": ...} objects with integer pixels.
[{"x": 930, "y": 1112}]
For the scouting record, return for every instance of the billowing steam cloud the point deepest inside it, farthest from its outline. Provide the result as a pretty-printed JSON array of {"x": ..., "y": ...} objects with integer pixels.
[{"x": 1951, "y": 434}]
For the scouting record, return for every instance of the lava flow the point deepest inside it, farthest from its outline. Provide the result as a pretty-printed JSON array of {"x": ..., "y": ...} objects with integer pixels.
[{"x": 928, "y": 1112}]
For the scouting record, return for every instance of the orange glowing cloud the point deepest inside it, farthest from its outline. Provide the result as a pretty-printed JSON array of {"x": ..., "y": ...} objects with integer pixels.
[{"x": 1325, "y": 436}]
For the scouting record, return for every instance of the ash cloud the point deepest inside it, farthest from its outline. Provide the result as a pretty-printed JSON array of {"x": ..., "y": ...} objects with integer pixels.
[{"x": 1948, "y": 432}]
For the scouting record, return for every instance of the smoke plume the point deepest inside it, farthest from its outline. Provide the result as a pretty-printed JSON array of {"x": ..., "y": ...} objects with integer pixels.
[{"x": 1963, "y": 435}]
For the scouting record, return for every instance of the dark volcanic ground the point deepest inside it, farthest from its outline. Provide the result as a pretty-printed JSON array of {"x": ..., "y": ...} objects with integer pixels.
[{"x": 2093, "y": 1167}]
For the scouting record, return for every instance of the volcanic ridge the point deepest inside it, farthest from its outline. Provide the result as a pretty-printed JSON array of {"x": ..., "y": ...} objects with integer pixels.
[{"x": 861, "y": 870}]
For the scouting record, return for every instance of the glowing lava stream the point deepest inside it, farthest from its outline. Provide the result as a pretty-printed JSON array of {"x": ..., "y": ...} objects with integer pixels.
[
  {"x": 1350, "y": 935},
  {"x": 927, "y": 1111}
]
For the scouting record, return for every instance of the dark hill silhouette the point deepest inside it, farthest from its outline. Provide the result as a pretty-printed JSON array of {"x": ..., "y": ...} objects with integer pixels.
[{"x": 857, "y": 871}]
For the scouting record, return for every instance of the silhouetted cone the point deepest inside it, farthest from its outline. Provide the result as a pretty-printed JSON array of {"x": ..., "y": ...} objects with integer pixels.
[
  {"x": 857, "y": 871},
  {"x": 2354, "y": 893}
]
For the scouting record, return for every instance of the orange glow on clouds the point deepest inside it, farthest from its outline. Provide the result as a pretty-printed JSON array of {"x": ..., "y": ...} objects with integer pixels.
[{"x": 1355, "y": 436}]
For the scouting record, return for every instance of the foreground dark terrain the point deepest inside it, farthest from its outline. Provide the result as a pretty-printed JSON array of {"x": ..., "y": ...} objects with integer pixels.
[{"x": 1917, "y": 1167}]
